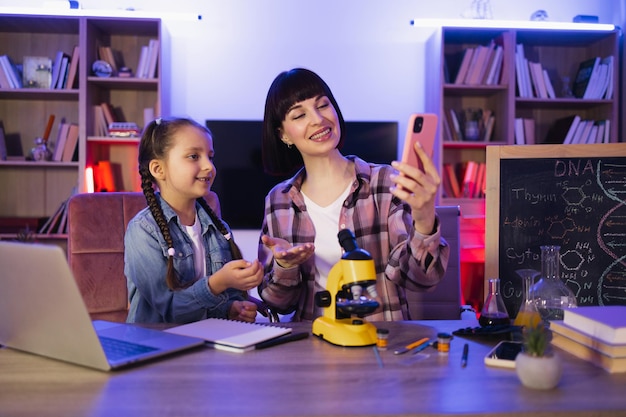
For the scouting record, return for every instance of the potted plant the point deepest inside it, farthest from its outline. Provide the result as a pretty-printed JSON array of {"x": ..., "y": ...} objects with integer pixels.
[{"x": 537, "y": 366}]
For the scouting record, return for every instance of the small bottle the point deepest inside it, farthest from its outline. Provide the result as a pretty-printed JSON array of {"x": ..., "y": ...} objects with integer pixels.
[
  {"x": 443, "y": 342},
  {"x": 494, "y": 311},
  {"x": 381, "y": 338}
]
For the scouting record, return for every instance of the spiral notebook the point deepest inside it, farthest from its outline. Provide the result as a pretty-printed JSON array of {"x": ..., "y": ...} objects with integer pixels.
[{"x": 230, "y": 335}]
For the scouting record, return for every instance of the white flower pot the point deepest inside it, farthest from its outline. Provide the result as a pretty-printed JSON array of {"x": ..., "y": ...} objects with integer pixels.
[{"x": 538, "y": 372}]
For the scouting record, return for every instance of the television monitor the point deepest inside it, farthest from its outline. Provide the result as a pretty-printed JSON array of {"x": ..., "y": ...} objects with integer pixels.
[{"x": 241, "y": 183}]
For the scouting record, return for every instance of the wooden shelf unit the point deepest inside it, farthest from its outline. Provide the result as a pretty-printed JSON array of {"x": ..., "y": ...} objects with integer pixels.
[
  {"x": 559, "y": 51},
  {"x": 36, "y": 189}
]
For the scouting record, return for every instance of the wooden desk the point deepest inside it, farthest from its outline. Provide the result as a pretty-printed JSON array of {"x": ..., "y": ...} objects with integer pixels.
[{"x": 306, "y": 378}]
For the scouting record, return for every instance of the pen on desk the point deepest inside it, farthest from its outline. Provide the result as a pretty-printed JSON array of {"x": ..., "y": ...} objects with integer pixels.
[
  {"x": 280, "y": 340},
  {"x": 411, "y": 346},
  {"x": 464, "y": 357},
  {"x": 378, "y": 358}
]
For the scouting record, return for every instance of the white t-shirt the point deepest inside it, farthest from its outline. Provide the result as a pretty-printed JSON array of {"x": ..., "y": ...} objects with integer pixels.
[
  {"x": 194, "y": 231},
  {"x": 326, "y": 223}
]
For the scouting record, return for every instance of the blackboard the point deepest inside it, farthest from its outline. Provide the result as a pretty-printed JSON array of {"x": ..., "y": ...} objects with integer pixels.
[{"x": 567, "y": 195}]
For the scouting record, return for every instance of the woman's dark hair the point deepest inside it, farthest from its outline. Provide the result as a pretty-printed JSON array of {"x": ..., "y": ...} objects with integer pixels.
[
  {"x": 156, "y": 142},
  {"x": 287, "y": 89}
]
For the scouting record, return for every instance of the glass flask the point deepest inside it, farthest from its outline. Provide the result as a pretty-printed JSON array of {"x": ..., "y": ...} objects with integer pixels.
[
  {"x": 528, "y": 315},
  {"x": 494, "y": 311},
  {"x": 550, "y": 294}
]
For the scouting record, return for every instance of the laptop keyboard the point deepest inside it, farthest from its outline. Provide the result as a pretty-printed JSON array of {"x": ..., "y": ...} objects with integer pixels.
[{"x": 116, "y": 349}]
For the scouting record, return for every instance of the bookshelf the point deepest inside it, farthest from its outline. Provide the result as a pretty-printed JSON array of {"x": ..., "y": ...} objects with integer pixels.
[
  {"x": 559, "y": 51},
  {"x": 37, "y": 189}
]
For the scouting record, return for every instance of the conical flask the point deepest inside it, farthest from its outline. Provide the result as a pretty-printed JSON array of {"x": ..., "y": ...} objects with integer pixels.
[
  {"x": 494, "y": 311},
  {"x": 551, "y": 295},
  {"x": 528, "y": 315}
]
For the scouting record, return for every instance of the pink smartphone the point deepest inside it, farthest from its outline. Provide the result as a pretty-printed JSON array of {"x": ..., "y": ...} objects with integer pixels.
[{"x": 421, "y": 128}]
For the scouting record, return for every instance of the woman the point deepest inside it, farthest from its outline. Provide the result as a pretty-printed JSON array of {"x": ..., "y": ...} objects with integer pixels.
[{"x": 390, "y": 209}]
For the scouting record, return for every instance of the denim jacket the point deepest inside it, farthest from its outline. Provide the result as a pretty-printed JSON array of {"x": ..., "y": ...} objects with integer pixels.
[{"x": 145, "y": 267}]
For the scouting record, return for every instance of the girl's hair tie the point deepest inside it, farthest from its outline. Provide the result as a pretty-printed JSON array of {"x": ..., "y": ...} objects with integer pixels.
[
  {"x": 158, "y": 121},
  {"x": 227, "y": 236},
  {"x": 171, "y": 252}
]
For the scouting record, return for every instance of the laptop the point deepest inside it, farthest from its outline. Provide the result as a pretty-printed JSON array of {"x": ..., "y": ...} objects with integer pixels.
[{"x": 42, "y": 312}]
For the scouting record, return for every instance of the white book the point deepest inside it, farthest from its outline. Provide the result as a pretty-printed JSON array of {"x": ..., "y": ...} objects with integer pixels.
[
  {"x": 9, "y": 71},
  {"x": 496, "y": 63},
  {"x": 548, "y": 83},
  {"x": 606, "y": 323},
  {"x": 579, "y": 131},
  {"x": 60, "y": 142},
  {"x": 140, "y": 72},
  {"x": 62, "y": 72},
  {"x": 153, "y": 56},
  {"x": 593, "y": 80},
  {"x": 593, "y": 132},
  {"x": 572, "y": 129},
  {"x": 585, "y": 132},
  {"x": 56, "y": 68},
  {"x": 607, "y": 133},
  {"x": 230, "y": 335}
]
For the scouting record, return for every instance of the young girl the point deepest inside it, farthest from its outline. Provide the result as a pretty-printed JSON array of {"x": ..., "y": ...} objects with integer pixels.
[
  {"x": 181, "y": 262},
  {"x": 392, "y": 216}
]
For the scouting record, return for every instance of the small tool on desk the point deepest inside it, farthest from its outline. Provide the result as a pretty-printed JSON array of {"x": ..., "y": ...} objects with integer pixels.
[
  {"x": 423, "y": 346},
  {"x": 464, "y": 356},
  {"x": 280, "y": 340},
  {"x": 411, "y": 346}
]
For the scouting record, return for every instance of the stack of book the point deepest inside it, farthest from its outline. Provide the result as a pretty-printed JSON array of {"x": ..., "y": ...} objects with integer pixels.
[{"x": 595, "y": 333}]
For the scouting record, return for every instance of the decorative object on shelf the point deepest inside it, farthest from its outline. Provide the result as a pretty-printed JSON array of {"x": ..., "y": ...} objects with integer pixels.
[
  {"x": 37, "y": 72},
  {"x": 102, "y": 69},
  {"x": 539, "y": 15},
  {"x": 41, "y": 151},
  {"x": 551, "y": 295},
  {"x": 537, "y": 366}
]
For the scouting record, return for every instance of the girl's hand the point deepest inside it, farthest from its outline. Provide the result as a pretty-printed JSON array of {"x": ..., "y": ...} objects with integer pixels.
[
  {"x": 239, "y": 274},
  {"x": 285, "y": 255},
  {"x": 419, "y": 190},
  {"x": 242, "y": 311}
]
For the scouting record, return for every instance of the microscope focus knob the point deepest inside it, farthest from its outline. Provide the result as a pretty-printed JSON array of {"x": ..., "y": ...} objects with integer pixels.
[{"x": 323, "y": 298}]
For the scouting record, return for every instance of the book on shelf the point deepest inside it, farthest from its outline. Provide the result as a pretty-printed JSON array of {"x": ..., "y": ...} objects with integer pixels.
[
  {"x": 518, "y": 130},
  {"x": 606, "y": 323},
  {"x": 56, "y": 69},
  {"x": 489, "y": 125},
  {"x": 12, "y": 73},
  {"x": 59, "y": 145},
  {"x": 522, "y": 73},
  {"x": 536, "y": 76},
  {"x": 548, "y": 82},
  {"x": 609, "y": 349},
  {"x": 449, "y": 174},
  {"x": 480, "y": 58},
  {"x": 142, "y": 63},
  {"x": 73, "y": 69},
  {"x": 3, "y": 144},
  {"x": 71, "y": 143},
  {"x": 153, "y": 57},
  {"x": 610, "y": 76},
  {"x": 50, "y": 226},
  {"x": 495, "y": 67},
  {"x": 100, "y": 124},
  {"x": 63, "y": 73},
  {"x": 583, "y": 76},
  {"x": 4, "y": 77},
  {"x": 529, "y": 130},
  {"x": 457, "y": 133},
  {"x": 611, "y": 364},
  {"x": 106, "y": 54},
  {"x": 230, "y": 335},
  {"x": 465, "y": 63}
]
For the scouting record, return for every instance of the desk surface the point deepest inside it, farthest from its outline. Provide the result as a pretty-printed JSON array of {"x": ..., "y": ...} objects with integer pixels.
[{"x": 307, "y": 378}]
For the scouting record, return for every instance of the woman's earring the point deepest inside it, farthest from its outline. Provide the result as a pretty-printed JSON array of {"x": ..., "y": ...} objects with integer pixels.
[{"x": 289, "y": 145}]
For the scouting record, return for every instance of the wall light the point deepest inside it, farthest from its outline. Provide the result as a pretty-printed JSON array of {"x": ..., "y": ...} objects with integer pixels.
[
  {"x": 57, "y": 11},
  {"x": 510, "y": 24}
]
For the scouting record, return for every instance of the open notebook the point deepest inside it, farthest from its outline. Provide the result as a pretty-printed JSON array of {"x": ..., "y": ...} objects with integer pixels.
[
  {"x": 230, "y": 335},
  {"x": 42, "y": 312}
]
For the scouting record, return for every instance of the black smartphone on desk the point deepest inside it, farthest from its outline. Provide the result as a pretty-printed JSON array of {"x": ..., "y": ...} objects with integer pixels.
[{"x": 503, "y": 354}]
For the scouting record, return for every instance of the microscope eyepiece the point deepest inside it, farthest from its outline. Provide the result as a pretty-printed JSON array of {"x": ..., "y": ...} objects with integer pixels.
[{"x": 350, "y": 247}]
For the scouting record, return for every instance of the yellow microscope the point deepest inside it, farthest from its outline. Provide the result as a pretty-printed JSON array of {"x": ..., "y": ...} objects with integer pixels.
[{"x": 345, "y": 304}]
